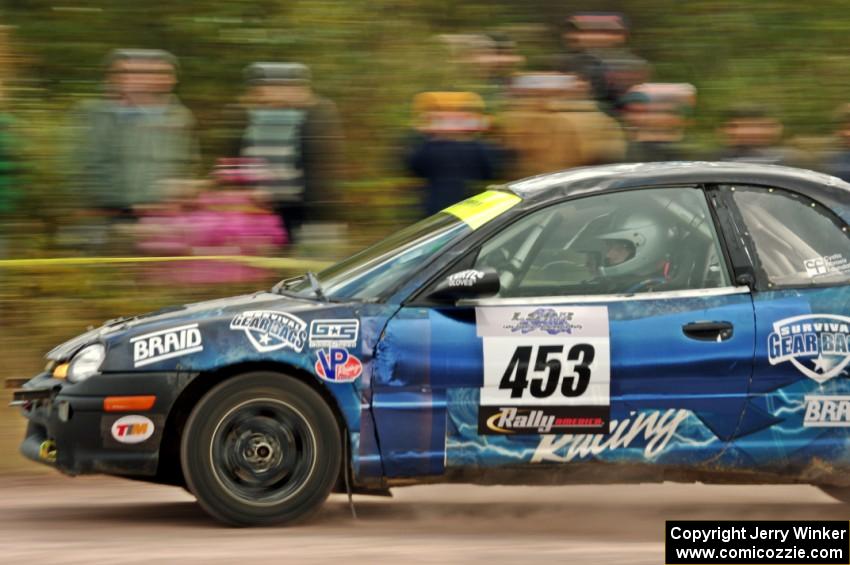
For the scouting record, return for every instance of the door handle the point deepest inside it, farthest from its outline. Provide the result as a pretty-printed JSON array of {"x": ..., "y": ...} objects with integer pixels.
[{"x": 708, "y": 331}]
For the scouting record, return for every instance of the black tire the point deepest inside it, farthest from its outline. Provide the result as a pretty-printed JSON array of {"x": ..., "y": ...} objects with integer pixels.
[
  {"x": 841, "y": 494},
  {"x": 259, "y": 449}
]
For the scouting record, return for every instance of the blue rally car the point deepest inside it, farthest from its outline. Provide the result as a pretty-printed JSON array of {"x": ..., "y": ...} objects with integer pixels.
[{"x": 628, "y": 323}]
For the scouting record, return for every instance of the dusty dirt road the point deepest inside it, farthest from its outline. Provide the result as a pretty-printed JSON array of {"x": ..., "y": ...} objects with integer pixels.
[{"x": 54, "y": 519}]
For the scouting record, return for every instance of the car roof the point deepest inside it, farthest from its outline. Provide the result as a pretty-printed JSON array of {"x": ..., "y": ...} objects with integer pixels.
[{"x": 829, "y": 190}]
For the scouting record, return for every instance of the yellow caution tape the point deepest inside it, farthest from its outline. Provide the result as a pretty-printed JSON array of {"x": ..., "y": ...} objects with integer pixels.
[
  {"x": 264, "y": 262},
  {"x": 482, "y": 208}
]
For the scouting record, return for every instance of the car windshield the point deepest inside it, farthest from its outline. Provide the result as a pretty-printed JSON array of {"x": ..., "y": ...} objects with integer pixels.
[{"x": 370, "y": 273}]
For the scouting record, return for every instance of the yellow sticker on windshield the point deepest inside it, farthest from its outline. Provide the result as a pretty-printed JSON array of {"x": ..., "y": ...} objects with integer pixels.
[{"x": 482, "y": 208}]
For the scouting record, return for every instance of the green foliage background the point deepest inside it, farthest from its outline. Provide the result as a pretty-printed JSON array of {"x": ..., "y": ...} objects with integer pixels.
[{"x": 372, "y": 56}]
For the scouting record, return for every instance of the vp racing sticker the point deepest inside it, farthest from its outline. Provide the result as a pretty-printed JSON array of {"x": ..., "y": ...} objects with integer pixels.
[
  {"x": 816, "y": 344},
  {"x": 546, "y": 370},
  {"x": 337, "y": 365}
]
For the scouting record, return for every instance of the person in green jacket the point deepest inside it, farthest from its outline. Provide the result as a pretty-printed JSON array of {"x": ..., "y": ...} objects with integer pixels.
[{"x": 138, "y": 137}]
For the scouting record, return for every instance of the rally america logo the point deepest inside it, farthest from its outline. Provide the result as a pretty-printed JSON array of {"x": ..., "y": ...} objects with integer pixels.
[
  {"x": 816, "y": 344},
  {"x": 268, "y": 330},
  {"x": 544, "y": 319}
]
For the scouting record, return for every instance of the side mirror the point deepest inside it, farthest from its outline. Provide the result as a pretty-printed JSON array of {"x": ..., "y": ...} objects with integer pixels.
[{"x": 471, "y": 283}]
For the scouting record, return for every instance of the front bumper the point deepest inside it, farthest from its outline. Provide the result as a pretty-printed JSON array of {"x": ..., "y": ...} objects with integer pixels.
[{"x": 69, "y": 429}]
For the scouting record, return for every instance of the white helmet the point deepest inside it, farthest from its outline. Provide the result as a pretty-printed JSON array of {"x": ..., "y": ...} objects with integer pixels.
[{"x": 645, "y": 239}]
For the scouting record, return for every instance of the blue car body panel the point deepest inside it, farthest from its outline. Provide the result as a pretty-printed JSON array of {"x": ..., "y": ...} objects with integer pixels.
[
  {"x": 430, "y": 369},
  {"x": 778, "y": 392},
  {"x": 227, "y": 347}
]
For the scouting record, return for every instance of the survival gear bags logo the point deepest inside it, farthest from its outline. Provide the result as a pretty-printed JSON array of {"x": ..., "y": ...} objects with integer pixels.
[
  {"x": 816, "y": 344},
  {"x": 268, "y": 330}
]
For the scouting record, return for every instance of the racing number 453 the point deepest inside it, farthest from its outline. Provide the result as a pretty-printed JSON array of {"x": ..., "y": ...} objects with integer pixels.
[{"x": 515, "y": 377}]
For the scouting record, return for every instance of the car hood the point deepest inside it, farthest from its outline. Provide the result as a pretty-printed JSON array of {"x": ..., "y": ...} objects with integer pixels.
[{"x": 121, "y": 328}]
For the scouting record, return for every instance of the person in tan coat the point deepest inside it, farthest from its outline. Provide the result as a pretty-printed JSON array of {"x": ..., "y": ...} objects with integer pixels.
[{"x": 553, "y": 125}]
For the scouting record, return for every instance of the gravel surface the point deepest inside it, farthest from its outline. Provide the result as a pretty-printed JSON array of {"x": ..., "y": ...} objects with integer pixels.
[{"x": 54, "y": 519}]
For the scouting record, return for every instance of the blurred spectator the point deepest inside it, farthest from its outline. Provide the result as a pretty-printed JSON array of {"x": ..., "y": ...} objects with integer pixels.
[
  {"x": 297, "y": 134},
  {"x": 447, "y": 151},
  {"x": 655, "y": 115},
  {"x": 138, "y": 137},
  {"x": 837, "y": 162},
  {"x": 8, "y": 170},
  {"x": 596, "y": 48},
  {"x": 195, "y": 221},
  {"x": 552, "y": 125},
  {"x": 750, "y": 134},
  {"x": 492, "y": 60}
]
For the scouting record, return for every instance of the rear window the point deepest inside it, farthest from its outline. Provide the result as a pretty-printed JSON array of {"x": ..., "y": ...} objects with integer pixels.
[{"x": 798, "y": 241}]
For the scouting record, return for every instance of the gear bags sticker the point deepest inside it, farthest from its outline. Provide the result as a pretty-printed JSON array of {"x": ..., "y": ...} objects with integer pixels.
[
  {"x": 546, "y": 370},
  {"x": 268, "y": 330},
  {"x": 816, "y": 344},
  {"x": 334, "y": 362}
]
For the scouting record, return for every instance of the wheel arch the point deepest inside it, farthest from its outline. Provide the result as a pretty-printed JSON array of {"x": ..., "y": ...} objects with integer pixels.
[{"x": 169, "y": 470}]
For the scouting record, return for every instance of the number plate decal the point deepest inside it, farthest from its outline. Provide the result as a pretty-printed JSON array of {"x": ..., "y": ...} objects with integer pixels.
[{"x": 547, "y": 370}]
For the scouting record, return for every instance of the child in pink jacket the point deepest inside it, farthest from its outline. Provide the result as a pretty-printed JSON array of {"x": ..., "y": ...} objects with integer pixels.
[{"x": 210, "y": 223}]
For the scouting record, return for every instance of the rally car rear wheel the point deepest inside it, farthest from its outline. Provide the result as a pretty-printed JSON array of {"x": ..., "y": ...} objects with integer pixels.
[
  {"x": 261, "y": 448},
  {"x": 841, "y": 494}
]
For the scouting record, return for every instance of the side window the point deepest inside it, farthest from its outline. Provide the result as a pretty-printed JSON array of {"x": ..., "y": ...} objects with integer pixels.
[
  {"x": 798, "y": 241},
  {"x": 645, "y": 240}
]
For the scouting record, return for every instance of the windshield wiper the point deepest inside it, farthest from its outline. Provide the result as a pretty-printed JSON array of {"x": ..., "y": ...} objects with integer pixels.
[
  {"x": 279, "y": 287},
  {"x": 316, "y": 286},
  {"x": 282, "y": 286}
]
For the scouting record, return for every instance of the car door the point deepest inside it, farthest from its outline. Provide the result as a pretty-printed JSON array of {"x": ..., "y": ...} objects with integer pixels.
[
  {"x": 616, "y": 336},
  {"x": 800, "y": 392}
]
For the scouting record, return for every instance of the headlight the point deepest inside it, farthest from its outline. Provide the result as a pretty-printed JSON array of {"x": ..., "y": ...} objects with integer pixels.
[{"x": 86, "y": 363}]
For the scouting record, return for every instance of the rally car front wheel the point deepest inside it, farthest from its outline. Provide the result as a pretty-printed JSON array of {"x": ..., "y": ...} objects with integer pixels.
[{"x": 261, "y": 448}]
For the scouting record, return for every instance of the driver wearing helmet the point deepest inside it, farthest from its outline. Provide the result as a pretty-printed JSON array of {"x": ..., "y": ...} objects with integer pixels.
[
  {"x": 617, "y": 251},
  {"x": 632, "y": 253}
]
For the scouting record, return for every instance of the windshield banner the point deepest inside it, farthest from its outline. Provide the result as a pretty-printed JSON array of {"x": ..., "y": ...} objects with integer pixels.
[{"x": 482, "y": 208}]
